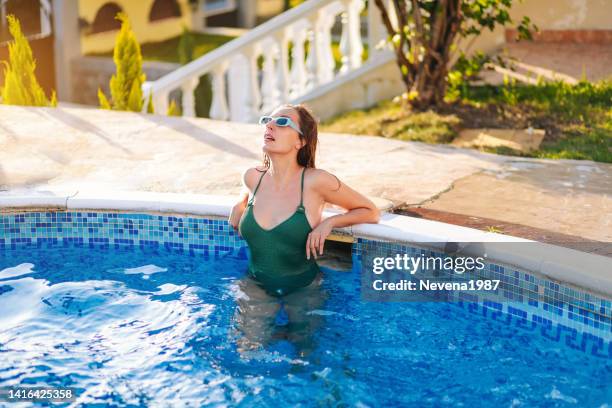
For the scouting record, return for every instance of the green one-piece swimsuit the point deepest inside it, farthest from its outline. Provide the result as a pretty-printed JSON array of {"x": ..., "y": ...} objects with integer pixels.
[{"x": 278, "y": 256}]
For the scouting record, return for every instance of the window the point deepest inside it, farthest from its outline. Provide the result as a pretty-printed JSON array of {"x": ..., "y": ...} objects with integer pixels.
[
  {"x": 213, "y": 7},
  {"x": 162, "y": 9},
  {"x": 33, "y": 16},
  {"x": 105, "y": 19}
]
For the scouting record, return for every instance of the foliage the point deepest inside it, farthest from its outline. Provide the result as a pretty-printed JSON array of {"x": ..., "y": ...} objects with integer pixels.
[
  {"x": 126, "y": 83},
  {"x": 580, "y": 103},
  {"x": 168, "y": 50},
  {"x": 494, "y": 229},
  {"x": 388, "y": 119},
  {"x": 577, "y": 118},
  {"x": 287, "y": 4},
  {"x": 426, "y": 33},
  {"x": 150, "y": 104},
  {"x": 464, "y": 70},
  {"x": 20, "y": 85},
  {"x": 173, "y": 109},
  {"x": 580, "y": 143},
  {"x": 186, "y": 47}
]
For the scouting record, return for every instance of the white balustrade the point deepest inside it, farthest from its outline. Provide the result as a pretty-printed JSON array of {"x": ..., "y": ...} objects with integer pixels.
[
  {"x": 244, "y": 94},
  {"x": 326, "y": 21},
  {"x": 298, "y": 67},
  {"x": 314, "y": 60},
  {"x": 188, "y": 99},
  {"x": 218, "y": 107},
  {"x": 350, "y": 43},
  {"x": 282, "y": 65},
  {"x": 160, "y": 102},
  {"x": 284, "y": 77},
  {"x": 269, "y": 89}
]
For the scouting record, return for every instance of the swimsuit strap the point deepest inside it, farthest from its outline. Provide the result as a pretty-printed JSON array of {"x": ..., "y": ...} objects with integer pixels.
[
  {"x": 301, "y": 206},
  {"x": 256, "y": 187}
]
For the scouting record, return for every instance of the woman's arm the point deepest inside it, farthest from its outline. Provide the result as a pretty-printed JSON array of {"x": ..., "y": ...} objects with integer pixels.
[
  {"x": 332, "y": 190},
  {"x": 238, "y": 208}
]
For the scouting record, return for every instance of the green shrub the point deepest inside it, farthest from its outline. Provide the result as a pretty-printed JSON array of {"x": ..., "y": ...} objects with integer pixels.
[
  {"x": 126, "y": 84},
  {"x": 464, "y": 70},
  {"x": 20, "y": 85},
  {"x": 186, "y": 47}
]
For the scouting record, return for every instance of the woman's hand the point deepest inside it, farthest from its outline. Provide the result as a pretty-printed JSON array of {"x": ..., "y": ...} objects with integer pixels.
[{"x": 317, "y": 237}]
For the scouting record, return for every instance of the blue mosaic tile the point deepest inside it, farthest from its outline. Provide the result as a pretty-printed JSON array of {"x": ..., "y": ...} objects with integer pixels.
[
  {"x": 580, "y": 319},
  {"x": 560, "y": 313},
  {"x": 103, "y": 229}
]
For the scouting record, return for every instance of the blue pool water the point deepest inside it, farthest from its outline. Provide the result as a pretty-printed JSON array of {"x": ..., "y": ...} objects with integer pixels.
[{"x": 152, "y": 327}]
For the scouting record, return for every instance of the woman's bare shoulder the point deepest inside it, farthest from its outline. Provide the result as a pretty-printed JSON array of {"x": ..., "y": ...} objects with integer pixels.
[
  {"x": 322, "y": 179},
  {"x": 251, "y": 175}
]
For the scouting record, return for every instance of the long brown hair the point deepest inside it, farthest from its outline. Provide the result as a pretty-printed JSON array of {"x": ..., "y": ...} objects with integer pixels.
[{"x": 308, "y": 126}]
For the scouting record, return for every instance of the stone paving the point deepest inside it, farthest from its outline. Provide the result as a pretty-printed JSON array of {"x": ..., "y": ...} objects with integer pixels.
[
  {"x": 567, "y": 197},
  {"x": 73, "y": 149}
]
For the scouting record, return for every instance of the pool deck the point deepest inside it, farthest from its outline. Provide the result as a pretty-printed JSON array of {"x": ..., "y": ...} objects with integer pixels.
[{"x": 70, "y": 150}]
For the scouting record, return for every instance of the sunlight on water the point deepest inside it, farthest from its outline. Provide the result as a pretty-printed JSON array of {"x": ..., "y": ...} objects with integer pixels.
[{"x": 132, "y": 327}]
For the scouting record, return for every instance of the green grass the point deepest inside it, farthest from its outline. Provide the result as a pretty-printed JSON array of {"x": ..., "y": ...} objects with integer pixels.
[
  {"x": 585, "y": 144},
  {"x": 580, "y": 116},
  {"x": 577, "y": 118},
  {"x": 390, "y": 120},
  {"x": 568, "y": 103},
  {"x": 579, "y": 144}
]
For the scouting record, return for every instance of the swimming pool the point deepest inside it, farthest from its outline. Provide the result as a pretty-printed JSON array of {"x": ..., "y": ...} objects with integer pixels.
[{"x": 155, "y": 309}]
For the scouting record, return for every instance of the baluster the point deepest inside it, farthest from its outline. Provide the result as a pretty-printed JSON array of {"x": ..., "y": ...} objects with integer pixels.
[
  {"x": 314, "y": 58},
  {"x": 218, "y": 108},
  {"x": 328, "y": 64},
  {"x": 160, "y": 102},
  {"x": 245, "y": 99},
  {"x": 298, "y": 68},
  {"x": 253, "y": 95},
  {"x": 269, "y": 88},
  {"x": 356, "y": 33},
  {"x": 236, "y": 86},
  {"x": 188, "y": 99},
  {"x": 282, "y": 69},
  {"x": 146, "y": 93},
  {"x": 350, "y": 43}
]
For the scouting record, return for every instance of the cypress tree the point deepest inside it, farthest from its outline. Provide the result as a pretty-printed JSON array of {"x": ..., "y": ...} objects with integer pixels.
[
  {"x": 20, "y": 84},
  {"x": 126, "y": 83}
]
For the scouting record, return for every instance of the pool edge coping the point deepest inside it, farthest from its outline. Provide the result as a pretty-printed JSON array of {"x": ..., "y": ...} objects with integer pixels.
[{"x": 568, "y": 266}]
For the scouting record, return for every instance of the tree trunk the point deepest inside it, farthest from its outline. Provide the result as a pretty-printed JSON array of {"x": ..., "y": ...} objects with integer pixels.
[
  {"x": 430, "y": 81},
  {"x": 424, "y": 73}
]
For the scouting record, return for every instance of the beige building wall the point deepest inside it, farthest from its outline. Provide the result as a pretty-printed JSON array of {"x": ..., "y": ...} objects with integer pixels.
[
  {"x": 549, "y": 15},
  {"x": 566, "y": 14},
  {"x": 138, "y": 13},
  {"x": 268, "y": 8}
]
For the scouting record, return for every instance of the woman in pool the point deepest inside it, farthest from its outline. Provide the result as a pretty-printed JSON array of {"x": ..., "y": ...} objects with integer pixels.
[
  {"x": 282, "y": 224},
  {"x": 287, "y": 197}
]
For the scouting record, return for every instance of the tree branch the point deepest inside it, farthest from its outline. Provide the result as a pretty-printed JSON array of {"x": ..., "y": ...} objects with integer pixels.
[
  {"x": 399, "y": 49},
  {"x": 385, "y": 17}
]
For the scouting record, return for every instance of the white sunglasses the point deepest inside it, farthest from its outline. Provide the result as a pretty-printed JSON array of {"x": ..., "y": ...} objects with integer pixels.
[{"x": 280, "y": 121}]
